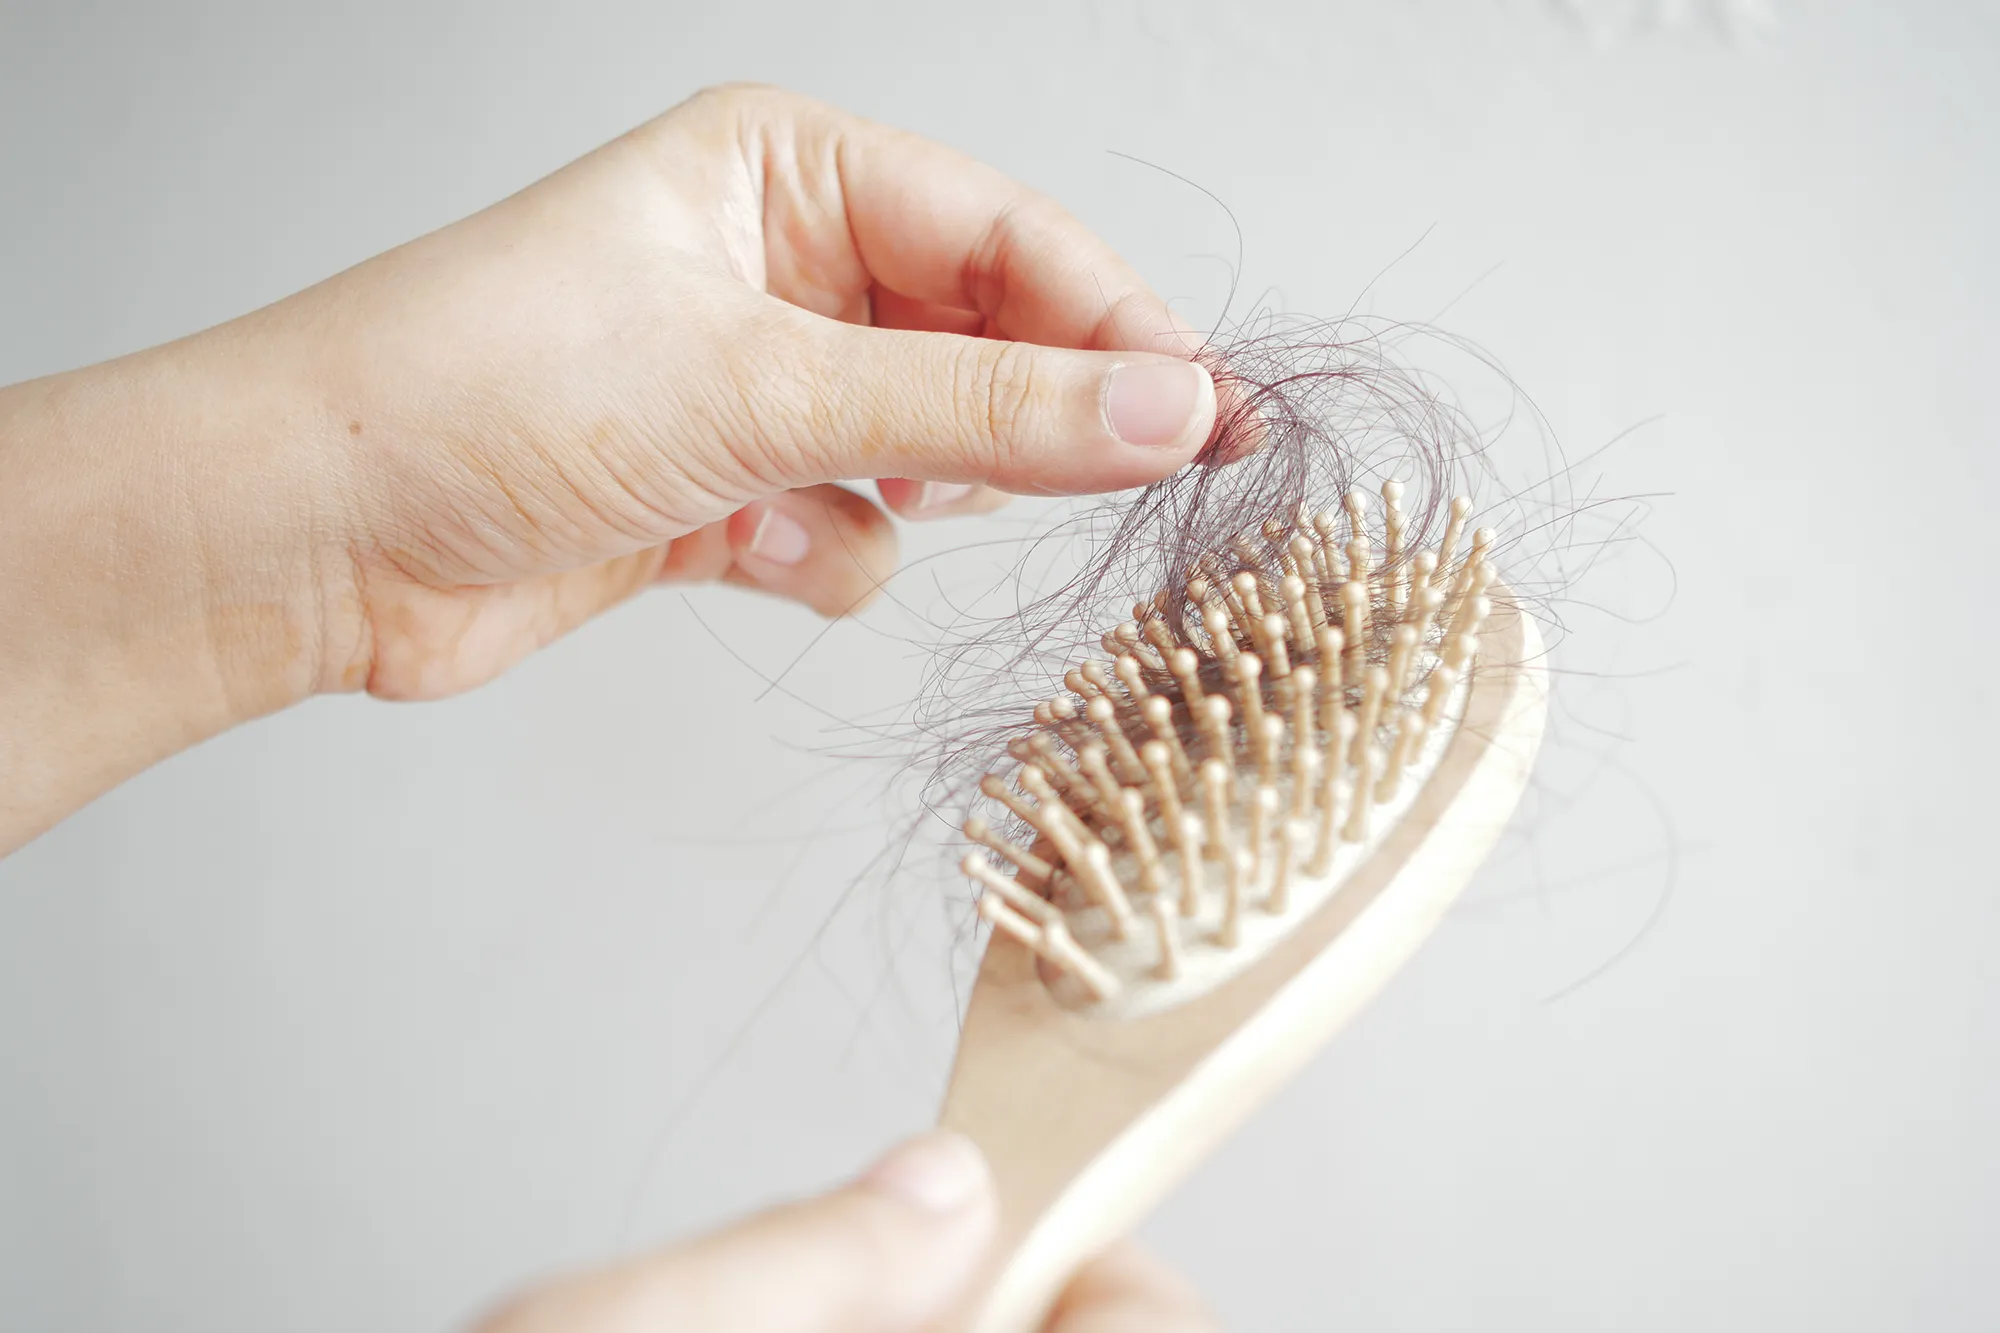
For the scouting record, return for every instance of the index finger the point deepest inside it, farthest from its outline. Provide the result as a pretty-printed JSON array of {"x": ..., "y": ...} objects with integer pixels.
[{"x": 936, "y": 226}]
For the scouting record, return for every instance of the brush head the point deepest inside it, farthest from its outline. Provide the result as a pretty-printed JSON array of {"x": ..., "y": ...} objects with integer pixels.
[{"x": 1246, "y": 741}]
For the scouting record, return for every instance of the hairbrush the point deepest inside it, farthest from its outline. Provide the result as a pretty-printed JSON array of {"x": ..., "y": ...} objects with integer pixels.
[{"x": 1220, "y": 842}]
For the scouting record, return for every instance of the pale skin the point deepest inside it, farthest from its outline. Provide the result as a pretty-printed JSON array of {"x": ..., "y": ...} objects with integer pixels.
[{"x": 654, "y": 365}]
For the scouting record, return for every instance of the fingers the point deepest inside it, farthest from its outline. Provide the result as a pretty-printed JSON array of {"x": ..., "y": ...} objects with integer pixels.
[
  {"x": 888, "y": 1254},
  {"x": 921, "y": 500},
  {"x": 1126, "y": 1290},
  {"x": 892, "y": 310},
  {"x": 823, "y": 546},
  {"x": 921, "y": 316},
  {"x": 858, "y": 402},
  {"x": 937, "y": 226},
  {"x": 846, "y": 196}
]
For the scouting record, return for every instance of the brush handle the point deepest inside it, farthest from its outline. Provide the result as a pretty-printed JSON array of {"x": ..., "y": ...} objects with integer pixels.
[{"x": 1082, "y": 1140}]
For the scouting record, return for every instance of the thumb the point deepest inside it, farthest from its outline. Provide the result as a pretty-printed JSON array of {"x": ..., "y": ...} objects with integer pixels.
[
  {"x": 889, "y": 1253},
  {"x": 857, "y": 402}
]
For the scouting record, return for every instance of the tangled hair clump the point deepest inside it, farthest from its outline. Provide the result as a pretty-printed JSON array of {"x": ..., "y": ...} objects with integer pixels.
[{"x": 1310, "y": 411}]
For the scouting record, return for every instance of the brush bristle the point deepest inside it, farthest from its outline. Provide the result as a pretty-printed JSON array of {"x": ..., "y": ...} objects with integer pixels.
[{"x": 1222, "y": 769}]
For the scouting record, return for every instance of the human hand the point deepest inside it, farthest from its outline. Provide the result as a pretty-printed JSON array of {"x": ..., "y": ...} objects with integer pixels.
[
  {"x": 892, "y": 1253},
  {"x": 655, "y": 363},
  {"x": 651, "y": 365}
]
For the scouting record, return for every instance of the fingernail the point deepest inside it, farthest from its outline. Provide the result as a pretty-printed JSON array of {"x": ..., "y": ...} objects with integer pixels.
[
  {"x": 1153, "y": 403},
  {"x": 938, "y": 494},
  {"x": 939, "y": 1172},
  {"x": 779, "y": 538}
]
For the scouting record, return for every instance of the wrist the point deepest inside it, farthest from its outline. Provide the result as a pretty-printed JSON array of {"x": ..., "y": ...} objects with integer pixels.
[{"x": 166, "y": 523}]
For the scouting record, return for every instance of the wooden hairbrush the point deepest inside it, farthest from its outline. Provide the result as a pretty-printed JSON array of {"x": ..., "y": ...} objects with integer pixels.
[{"x": 1217, "y": 846}]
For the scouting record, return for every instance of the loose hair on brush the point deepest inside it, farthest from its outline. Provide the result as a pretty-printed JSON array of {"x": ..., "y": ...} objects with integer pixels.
[{"x": 1311, "y": 413}]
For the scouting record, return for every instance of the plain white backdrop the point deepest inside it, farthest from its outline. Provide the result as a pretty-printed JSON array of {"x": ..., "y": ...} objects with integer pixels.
[{"x": 363, "y": 1015}]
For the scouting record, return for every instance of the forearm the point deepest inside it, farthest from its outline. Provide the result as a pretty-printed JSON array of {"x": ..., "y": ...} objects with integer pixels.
[{"x": 160, "y": 524}]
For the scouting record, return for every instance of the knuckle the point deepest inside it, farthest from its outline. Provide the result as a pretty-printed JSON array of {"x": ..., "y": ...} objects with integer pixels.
[
  {"x": 1131, "y": 320},
  {"x": 1039, "y": 221},
  {"x": 1004, "y": 386},
  {"x": 1015, "y": 236},
  {"x": 735, "y": 93},
  {"x": 776, "y": 412},
  {"x": 748, "y": 100},
  {"x": 719, "y": 114}
]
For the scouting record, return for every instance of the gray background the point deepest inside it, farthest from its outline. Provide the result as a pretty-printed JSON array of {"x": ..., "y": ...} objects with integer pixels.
[{"x": 363, "y": 1015}]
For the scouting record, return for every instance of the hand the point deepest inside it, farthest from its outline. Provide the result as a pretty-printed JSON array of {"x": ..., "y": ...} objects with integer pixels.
[
  {"x": 651, "y": 365},
  {"x": 892, "y": 1253},
  {"x": 654, "y": 363}
]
